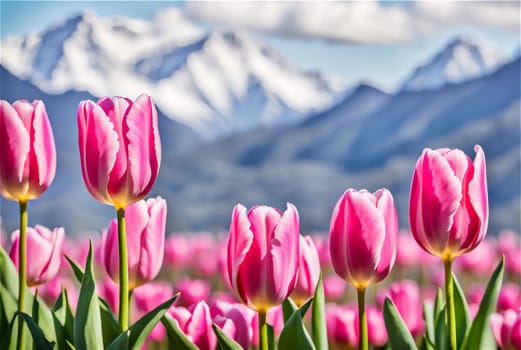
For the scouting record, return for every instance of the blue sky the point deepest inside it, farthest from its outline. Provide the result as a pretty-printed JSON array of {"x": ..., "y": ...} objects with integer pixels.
[{"x": 378, "y": 42}]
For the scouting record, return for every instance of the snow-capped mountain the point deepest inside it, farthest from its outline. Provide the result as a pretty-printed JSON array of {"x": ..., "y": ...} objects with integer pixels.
[
  {"x": 463, "y": 58},
  {"x": 217, "y": 83}
]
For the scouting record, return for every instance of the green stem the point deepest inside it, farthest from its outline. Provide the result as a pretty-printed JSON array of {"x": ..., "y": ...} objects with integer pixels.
[
  {"x": 263, "y": 331},
  {"x": 123, "y": 270},
  {"x": 22, "y": 270},
  {"x": 362, "y": 320},
  {"x": 451, "y": 312}
]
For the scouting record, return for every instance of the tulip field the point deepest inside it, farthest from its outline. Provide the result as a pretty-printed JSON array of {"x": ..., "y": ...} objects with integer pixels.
[{"x": 440, "y": 282}]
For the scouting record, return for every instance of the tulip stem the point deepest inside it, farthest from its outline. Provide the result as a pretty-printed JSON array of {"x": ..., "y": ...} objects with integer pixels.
[
  {"x": 451, "y": 312},
  {"x": 123, "y": 271},
  {"x": 22, "y": 270},
  {"x": 362, "y": 320},
  {"x": 263, "y": 331}
]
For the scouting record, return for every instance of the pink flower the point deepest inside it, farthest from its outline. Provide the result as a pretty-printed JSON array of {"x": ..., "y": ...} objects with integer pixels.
[
  {"x": 148, "y": 297},
  {"x": 120, "y": 149},
  {"x": 480, "y": 261},
  {"x": 145, "y": 223},
  {"x": 406, "y": 297},
  {"x": 363, "y": 232},
  {"x": 448, "y": 207},
  {"x": 196, "y": 324},
  {"x": 509, "y": 297},
  {"x": 235, "y": 320},
  {"x": 334, "y": 287},
  {"x": 342, "y": 326},
  {"x": 506, "y": 329},
  {"x": 43, "y": 252},
  {"x": 28, "y": 156},
  {"x": 308, "y": 271},
  {"x": 192, "y": 291},
  {"x": 263, "y": 254}
]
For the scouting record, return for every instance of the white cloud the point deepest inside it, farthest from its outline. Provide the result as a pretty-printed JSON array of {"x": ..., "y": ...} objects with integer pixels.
[{"x": 358, "y": 21}]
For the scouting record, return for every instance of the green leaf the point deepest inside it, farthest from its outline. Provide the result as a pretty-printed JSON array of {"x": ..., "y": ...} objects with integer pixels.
[
  {"x": 294, "y": 335},
  {"x": 76, "y": 269},
  {"x": 461, "y": 310},
  {"x": 318, "y": 317},
  {"x": 223, "y": 341},
  {"x": 8, "y": 274},
  {"x": 399, "y": 335},
  {"x": 288, "y": 308},
  {"x": 428, "y": 316},
  {"x": 109, "y": 323},
  {"x": 42, "y": 315},
  {"x": 87, "y": 325},
  {"x": 441, "y": 338},
  {"x": 120, "y": 342},
  {"x": 63, "y": 320},
  {"x": 39, "y": 339},
  {"x": 139, "y": 331},
  {"x": 177, "y": 339},
  {"x": 439, "y": 303},
  {"x": 480, "y": 334}
]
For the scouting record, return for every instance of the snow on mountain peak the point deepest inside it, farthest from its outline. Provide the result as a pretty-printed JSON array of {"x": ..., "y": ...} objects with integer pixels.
[
  {"x": 218, "y": 83},
  {"x": 463, "y": 58}
]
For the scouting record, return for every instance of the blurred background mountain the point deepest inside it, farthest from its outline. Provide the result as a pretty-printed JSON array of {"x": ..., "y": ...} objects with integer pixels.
[{"x": 240, "y": 122}]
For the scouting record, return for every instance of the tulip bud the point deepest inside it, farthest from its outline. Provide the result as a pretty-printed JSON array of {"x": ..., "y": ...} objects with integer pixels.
[
  {"x": 44, "y": 249},
  {"x": 28, "y": 156},
  {"x": 263, "y": 254},
  {"x": 145, "y": 222},
  {"x": 363, "y": 234},
  {"x": 448, "y": 206},
  {"x": 120, "y": 149}
]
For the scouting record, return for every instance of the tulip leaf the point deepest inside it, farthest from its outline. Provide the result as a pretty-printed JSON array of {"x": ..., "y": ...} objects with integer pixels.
[
  {"x": 8, "y": 274},
  {"x": 428, "y": 316},
  {"x": 9, "y": 312},
  {"x": 140, "y": 330},
  {"x": 87, "y": 325},
  {"x": 294, "y": 334},
  {"x": 399, "y": 335},
  {"x": 109, "y": 323},
  {"x": 480, "y": 334},
  {"x": 318, "y": 317},
  {"x": 42, "y": 316},
  {"x": 223, "y": 341},
  {"x": 288, "y": 308},
  {"x": 441, "y": 338},
  {"x": 120, "y": 342},
  {"x": 63, "y": 320},
  {"x": 76, "y": 269},
  {"x": 38, "y": 338},
  {"x": 176, "y": 338},
  {"x": 439, "y": 303},
  {"x": 461, "y": 310}
]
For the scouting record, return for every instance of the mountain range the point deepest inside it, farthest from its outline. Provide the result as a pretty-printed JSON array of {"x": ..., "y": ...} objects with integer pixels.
[{"x": 261, "y": 143}]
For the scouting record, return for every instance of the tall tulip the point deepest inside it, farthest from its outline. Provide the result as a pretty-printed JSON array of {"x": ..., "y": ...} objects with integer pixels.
[
  {"x": 263, "y": 256},
  {"x": 448, "y": 209},
  {"x": 120, "y": 154},
  {"x": 146, "y": 222},
  {"x": 362, "y": 242},
  {"x": 27, "y": 168}
]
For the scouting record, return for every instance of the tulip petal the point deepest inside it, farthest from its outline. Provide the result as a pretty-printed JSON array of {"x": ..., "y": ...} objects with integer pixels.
[
  {"x": 144, "y": 152},
  {"x": 284, "y": 251},
  {"x": 239, "y": 243},
  {"x": 200, "y": 327},
  {"x": 337, "y": 238},
  {"x": 14, "y": 143},
  {"x": 478, "y": 194},
  {"x": 44, "y": 147},
  {"x": 51, "y": 268},
  {"x": 98, "y": 143},
  {"x": 153, "y": 240},
  {"x": 263, "y": 221},
  {"x": 387, "y": 209},
  {"x": 111, "y": 251}
]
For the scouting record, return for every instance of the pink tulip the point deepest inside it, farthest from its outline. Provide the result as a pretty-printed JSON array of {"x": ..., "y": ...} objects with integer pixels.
[
  {"x": 377, "y": 333},
  {"x": 145, "y": 222},
  {"x": 196, "y": 324},
  {"x": 120, "y": 149},
  {"x": 448, "y": 207},
  {"x": 509, "y": 297},
  {"x": 235, "y": 320},
  {"x": 108, "y": 290},
  {"x": 342, "y": 326},
  {"x": 480, "y": 261},
  {"x": 43, "y": 249},
  {"x": 263, "y": 254},
  {"x": 28, "y": 156},
  {"x": 334, "y": 287},
  {"x": 406, "y": 297},
  {"x": 308, "y": 271},
  {"x": 506, "y": 329},
  {"x": 363, "y": 232}
]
